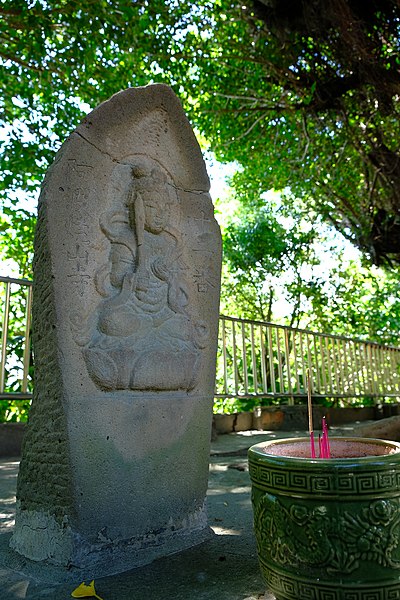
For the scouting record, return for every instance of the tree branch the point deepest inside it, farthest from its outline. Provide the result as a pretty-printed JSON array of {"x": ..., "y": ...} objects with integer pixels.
[
  {"x": 307, "y": 136},
  {"x": 251, "y": 127},
  {"x": 23, "y": 63}
]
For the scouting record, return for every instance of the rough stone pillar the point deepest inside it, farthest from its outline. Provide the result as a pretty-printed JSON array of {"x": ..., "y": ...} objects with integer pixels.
[{"x": 126, "y": 291}]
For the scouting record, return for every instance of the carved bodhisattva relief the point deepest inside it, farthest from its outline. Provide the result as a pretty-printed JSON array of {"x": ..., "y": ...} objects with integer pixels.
[
  {"x": 125, "y": 330},
  {"x": 143, "y": 335}
]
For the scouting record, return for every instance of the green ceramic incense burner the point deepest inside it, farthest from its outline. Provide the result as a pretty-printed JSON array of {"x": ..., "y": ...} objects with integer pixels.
[{"x": 328, "y": 529}]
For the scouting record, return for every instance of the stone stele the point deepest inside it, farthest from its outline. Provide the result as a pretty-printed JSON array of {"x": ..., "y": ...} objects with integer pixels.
[{"x": 126, "y": 299}]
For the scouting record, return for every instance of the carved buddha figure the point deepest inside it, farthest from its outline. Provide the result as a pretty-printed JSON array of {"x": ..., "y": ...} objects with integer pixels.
[{"x": 145, "y": 337}]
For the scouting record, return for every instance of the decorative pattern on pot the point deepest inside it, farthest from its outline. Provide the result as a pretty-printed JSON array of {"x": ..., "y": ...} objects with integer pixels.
[{"x": 330, "y": 529}]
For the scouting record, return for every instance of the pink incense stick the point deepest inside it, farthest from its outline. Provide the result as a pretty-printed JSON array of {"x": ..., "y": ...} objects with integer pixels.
[
  {"x": 310, "y": 416},
  {"x": 325, "y": 439}
]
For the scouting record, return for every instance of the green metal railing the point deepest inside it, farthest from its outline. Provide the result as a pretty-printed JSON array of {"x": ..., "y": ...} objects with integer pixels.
[
  {"x": 255, "y": 359},
  {"x": 15, "y": 358},
  {"x": 259, "y": 359}
]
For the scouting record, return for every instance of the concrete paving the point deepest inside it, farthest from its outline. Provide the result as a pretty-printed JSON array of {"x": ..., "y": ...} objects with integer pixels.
[{"x": 223, "y": 568}]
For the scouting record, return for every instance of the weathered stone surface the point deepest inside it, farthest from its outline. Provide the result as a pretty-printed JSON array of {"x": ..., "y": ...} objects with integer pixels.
[{"x": 126, "y": 292}]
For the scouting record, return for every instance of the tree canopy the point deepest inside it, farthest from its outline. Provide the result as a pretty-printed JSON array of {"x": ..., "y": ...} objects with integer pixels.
[
  {"x": 282, "y": 264},
  {"x": 302, "y": 95},
  {"x": 305, "y": 96},
  {"x": 61, "y": 58}
]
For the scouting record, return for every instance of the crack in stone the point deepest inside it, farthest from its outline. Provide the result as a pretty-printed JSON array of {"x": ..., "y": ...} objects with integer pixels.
[
  {"x": 119, "y": 162},
  {"x": 97, "y": 148}
]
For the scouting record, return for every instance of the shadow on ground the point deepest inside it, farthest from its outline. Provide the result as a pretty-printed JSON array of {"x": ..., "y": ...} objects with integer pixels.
[{"x": 224, "y": 568}]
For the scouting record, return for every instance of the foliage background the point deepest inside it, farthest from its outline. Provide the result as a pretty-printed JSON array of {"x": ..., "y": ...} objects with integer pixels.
[{"x": 301, "y": 102}]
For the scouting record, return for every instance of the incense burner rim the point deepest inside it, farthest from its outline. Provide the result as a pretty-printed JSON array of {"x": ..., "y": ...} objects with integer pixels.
[{"x": 259, "y": 452}]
